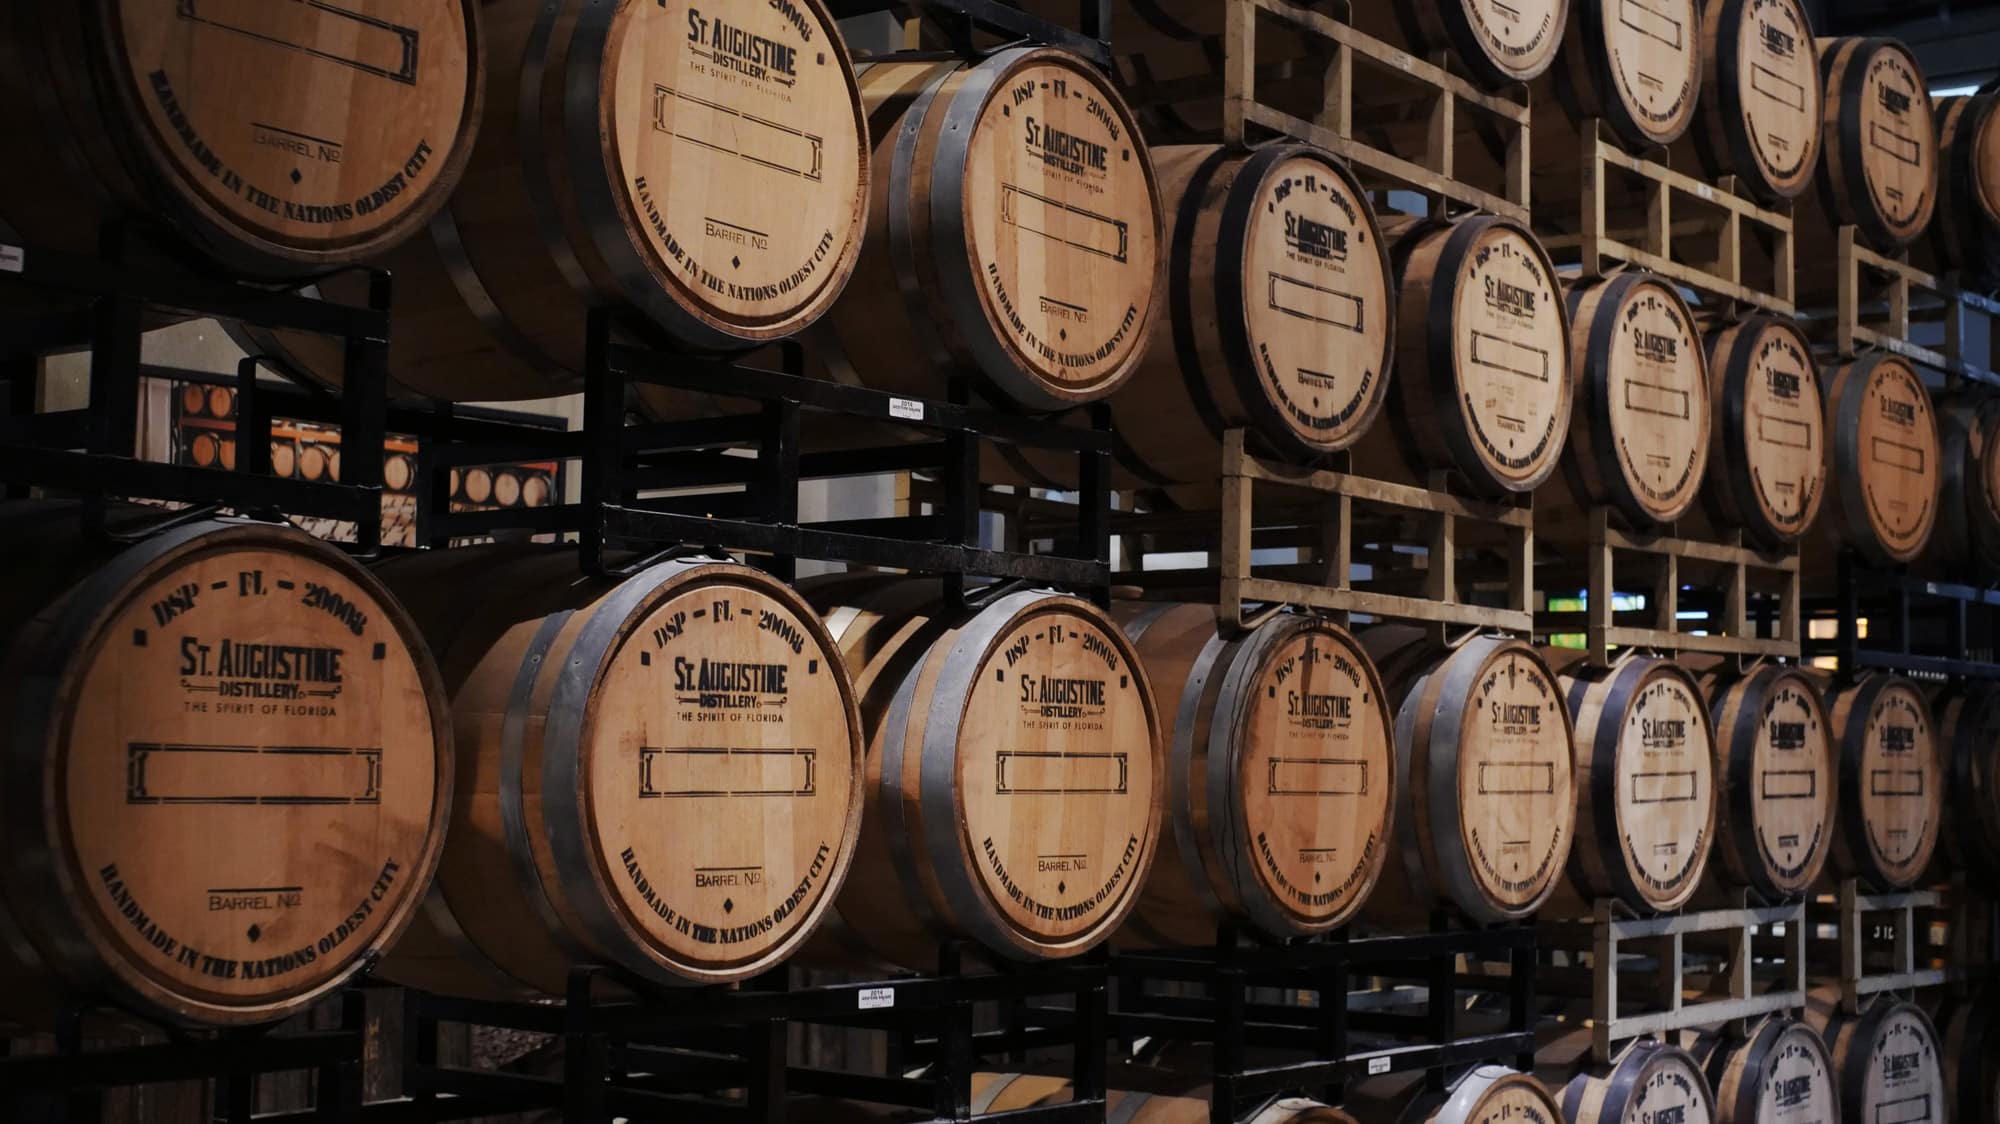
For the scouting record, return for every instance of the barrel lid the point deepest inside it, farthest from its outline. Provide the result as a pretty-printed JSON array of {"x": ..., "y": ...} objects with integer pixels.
[
  {"x": 1774, "y": 414},
  {"x": 1898, "y": 152},
  {"x": 1649, "y": 392},
  {"x": 1652, "y": 1081},
  {"x": 1516, "y": 40},
  {"x": 1664, "y": 773},
  {"x": 1492, "y": 1094},
  {"x": 1053, "y": 207},
  {"x": 249, "y": 760},
  {"x": 1796, "y": 1083},
  {"x": 1315, "y": 289},
  {"x": 1778, "y": 97},
  {"x": 1896, "y": 778},
  {"x": 1787, "y": 775},
  {"x": 308, "y": 132},
  {"x": 737, "y": 148},
  {"x": 1314, "y": 776},
  {"x": 1651, "y": 53},
  {"x": 1054, "y": 780},
  {"x": 1514, "y": 787},
  {"x": 1985, "y": 165},
  {"x": 716, "y": 753},
  {"x": 1895, "y": 453},
  {"x": 1903, "y": 1076},
  {"x": 1508, "y": 342}
]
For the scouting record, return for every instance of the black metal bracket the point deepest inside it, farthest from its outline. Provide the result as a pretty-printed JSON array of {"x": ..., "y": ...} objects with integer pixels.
[
  {"x": 1341, "y": 1045},
  {"x": 721, "y": 1054},
  {"x": 1089, "y": 36}
]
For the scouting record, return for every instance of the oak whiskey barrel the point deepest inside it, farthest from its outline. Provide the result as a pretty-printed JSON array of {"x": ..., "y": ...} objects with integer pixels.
[
  {"x": 1636, "y": 66},
  {"x": 228, "y": 764},
  {"x": 1778, "y": 1073},
  {"x": 1968, "y": 725},
  {"x": 1775, "y": 779},
  {"x": 1281, "y": 784},
  {"x": 1967, "y": 539},
  {"x": 1767, "y": 443},
  {"x": 1886, "y": 1059},
  {"x": 1645, "y": 784},
  {"x": 1015, "y": 772},
  {"x": 1970, "y": 1046},
  {"x": 1639, "y": 434},
  {"x": 1281, "y": 319},
  {"x": 1483, "y": 754},
  {"x": 1482, "y": 357},
  {"x": 1965, "y": 231},
  {"x": 1878, "y": 150},
  {"x": 1486, "y": 1094},
  {"x": 1005, "y": 1092},
  {"x": 275, "y": 140},
  {"x": 1014, "y": 229},
  {"x": 1758, "y": 117},
  {"x": 1498, "y": 44},
  {"x": 704, "y": 169},
  {"x": 659, "y": 773},
  {"x": 1890, "y": 778},
  {"x": 1882, "y": 493},
  {"x": 1648, "y": 1080}
]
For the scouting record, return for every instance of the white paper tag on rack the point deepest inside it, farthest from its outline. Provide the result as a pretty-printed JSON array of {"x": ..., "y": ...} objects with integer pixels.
[
  {"x": 909, "y": 409},
  {"x": 13, "y": 259},
  {"x": 1378, "y": 1064},
  {"x": 876, "y": 998}
]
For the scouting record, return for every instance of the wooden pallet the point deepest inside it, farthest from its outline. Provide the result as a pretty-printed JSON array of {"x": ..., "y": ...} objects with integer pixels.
[
  {"x": 1882, "y": 298},
  {"x": 1612, "y": 932},
  {"x": 1674, "y": 562},
  {"x": 1355, "y": 58},
  {"x": 1693, "y": 232}
]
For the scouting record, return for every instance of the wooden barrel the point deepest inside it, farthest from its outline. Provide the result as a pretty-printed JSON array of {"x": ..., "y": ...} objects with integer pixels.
[
  {"x": 1482, "y": 357},
  {"x": 1777, "y": 1073},
  {"x": 704, "y": 169},
  {"x": 661, "y": 773},
  {"x": 1767, "y": 440},
  {"x": 1645, "y": 784},
  {"x": 1014, "y": 229},
  {"x": 1006, "y": 1092},
  {"x": 1887, "y": 1062},
  {"x": 1970, "y": 1041},
  {"x": 1968, "y": 725},
  {"x": 1890, "y": 780},
  {"x": 1967, "y": 539},
  {"x": 1486, "y": 1094},
  {"x": 1965, "y": 233},
  {"x": 206, "y": 449},
  {"x": 1639, "y": 435},
  {"x": 1015, "y": 772},
  {"x": 506, "y": 489},
  {"x": 1281, "y": 786},
  {"x": 399, "y": 472},
  {"x": 1648, "y": 1081},
  {"x": 1882, "y": 494},
  {"x": 478, "y": 485},
  {"x": 1282, "y": 314},
  {"x": 284, "y": 458},
  {"x": 536, "y": 491},
  {"x": 280, "y": 760},
  {"x": 1775, "y": 788},
  {"x": 1878, "y": 147},
  {"x": 1634, "y": 65},
  {"x": 1758, "y": 118},
  {"x": 1483, "y": 752},
  {"x": 275, "y": 140}
]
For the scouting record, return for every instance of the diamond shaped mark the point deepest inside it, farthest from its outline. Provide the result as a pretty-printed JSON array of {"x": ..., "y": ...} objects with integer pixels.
[
  {"x": 736, "y": 263},
  {"x": 1062, "y": 887},
  {"x": 728, "y": 905},
  {"x": 255, "y": 934},
  {"x": 296, "y": 177}
]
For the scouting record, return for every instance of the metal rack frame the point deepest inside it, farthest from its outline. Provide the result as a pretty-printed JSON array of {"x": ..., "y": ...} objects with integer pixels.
[
  {"x": 1852, "y": 911},
  {"x": 1613, "y": 926},
  {"x": 1235, "y": 1026},
  {"x": 106, "y": 302},
  {"x": 1881, "y": 295},
  {"x": 1891, "y": 602},
  {"x": 77, "y": 1077},
  {"x": 654, "y": 1052},
  {"x": 1661, "y": 244}
]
